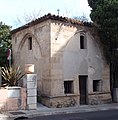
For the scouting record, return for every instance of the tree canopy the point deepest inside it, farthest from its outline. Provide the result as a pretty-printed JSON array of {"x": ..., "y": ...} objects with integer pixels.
[
  {"x": 104, "y": 15},
  {"x": 5, "y": 42}
]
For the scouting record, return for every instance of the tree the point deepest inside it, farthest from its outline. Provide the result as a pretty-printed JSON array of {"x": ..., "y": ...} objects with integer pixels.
[
  {"x": 5, "y": 43},
  {"x": 28, "y": 17},
  {"x": 104, "y": 14}
]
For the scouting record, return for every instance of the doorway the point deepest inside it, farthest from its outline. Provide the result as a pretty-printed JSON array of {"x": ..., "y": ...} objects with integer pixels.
[{"x": 83, "y": 89}]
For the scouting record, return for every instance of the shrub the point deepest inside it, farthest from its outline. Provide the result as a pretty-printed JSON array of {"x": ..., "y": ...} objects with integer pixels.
[{"x": 11, "y": 75}]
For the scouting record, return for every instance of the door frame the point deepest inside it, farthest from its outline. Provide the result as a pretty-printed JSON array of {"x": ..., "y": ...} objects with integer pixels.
[{"x": 85, "y": 85}]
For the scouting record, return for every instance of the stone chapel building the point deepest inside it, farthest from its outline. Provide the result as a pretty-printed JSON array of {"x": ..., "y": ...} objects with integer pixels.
[{"x": 68, "y": 60}]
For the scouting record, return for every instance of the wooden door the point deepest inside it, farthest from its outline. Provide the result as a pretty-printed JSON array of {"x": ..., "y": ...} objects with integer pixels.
[{"x": 83, "y": 89}]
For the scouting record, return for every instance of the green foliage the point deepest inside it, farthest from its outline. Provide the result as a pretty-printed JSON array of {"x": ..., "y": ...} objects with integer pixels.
[
  {"x": 3, "y": 57},
  {"x": 105, "y": 16},
  {"x": 39, "y": 98},
  {"x": 5, "y": 43},
  {"x": 11, "y": 75}
]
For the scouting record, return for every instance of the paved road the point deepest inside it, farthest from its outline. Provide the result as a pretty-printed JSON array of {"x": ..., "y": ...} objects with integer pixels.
[{"x": 100, "y": 115}]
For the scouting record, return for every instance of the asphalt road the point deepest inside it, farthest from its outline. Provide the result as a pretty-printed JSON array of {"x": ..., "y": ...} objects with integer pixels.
[{"x": 99, "y": 115}]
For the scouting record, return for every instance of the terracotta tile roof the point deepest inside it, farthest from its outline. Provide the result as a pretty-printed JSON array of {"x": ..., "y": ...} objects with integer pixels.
[{"x": 52, "y": 17}]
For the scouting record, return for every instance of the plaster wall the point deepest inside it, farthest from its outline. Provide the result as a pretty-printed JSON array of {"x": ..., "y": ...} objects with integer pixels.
[
  {"x": 12, "y": 102},
  {"x": 88, "y": 62},
  {"x": 39, "y": 55}
]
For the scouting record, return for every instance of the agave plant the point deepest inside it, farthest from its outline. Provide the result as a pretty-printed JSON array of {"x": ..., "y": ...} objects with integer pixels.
[{"x": 11, "y": 75}]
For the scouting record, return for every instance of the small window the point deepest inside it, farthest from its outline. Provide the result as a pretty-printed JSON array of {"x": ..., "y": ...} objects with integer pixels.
[
  {"x": 97, "y": 86},
  {"x": 82, "y": 42},
  {"x": 30, "y": 43},
  {"x": 68, "y": 86},
  {"x": 15, "y": 39}
]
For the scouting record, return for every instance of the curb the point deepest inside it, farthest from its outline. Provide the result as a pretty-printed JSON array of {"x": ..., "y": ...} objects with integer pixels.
[{"x": 54, "y": 111}]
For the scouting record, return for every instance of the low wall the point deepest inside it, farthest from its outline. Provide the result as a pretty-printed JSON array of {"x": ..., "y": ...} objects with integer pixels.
[
  {"x": 61, "y": 101},
  {"x": 74, "y": 100},
  {"x": 99, "y": 98},
  {"x": 9, "y": 100}
]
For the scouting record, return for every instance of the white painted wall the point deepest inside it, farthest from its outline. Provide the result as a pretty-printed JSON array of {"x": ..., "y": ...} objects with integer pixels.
[
  {"x": 74, "y": 58},
  {"x": 88, "y": 61}
]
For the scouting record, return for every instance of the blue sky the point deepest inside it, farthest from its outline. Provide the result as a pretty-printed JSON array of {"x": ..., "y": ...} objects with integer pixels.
[{"x": 12, "y": 10}]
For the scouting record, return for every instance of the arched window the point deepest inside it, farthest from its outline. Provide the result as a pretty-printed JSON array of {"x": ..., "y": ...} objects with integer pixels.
[
  {"x": 29, "y": 43},
  {"x": 83, "y": 42}
]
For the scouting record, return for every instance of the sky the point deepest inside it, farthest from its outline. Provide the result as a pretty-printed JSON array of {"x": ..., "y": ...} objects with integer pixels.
[{"x": 15, "y": 12}]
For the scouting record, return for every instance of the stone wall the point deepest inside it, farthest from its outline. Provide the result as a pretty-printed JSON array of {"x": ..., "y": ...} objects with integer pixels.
[
  {"x": 10, "y": 101},
  {"x": 62, "y": 101},
  {"x": 99, "y": 98},
  {"x": 30, "y": 82}
]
